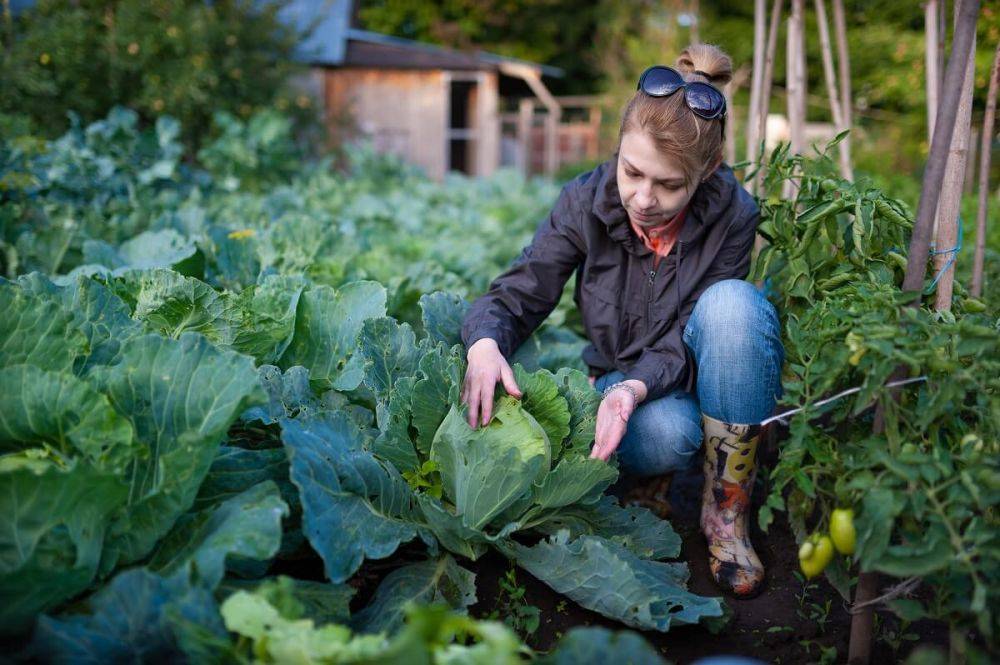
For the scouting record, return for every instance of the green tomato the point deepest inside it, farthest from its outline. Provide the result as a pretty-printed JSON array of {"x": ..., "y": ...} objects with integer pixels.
[
  {"x": 817, "y": 556},
  {"x": 973, "y": 305},
  {"x": 842, "y": 530}
]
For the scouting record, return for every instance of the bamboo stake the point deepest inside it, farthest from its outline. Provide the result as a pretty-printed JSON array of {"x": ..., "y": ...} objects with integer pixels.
[
  {"x": 795, "y": 101},
  {"x": 859, "y": 651},
  {"x": 942, "y": 36},
  {"x": 944, "y": 128},
  {"x": 768, "y": 83},
  {"x": 756, "y": 83},
  {"x": 951, "y": 194},
  {"x": 799, "y": 77},
  {"x": 836, "y": 108},
  {"x": 844, "y": 74},
  {"x": 936, "y": 31},
  {"x": 729, "y": 91},
  {"x": 969, "y": 181},
  {"x": 931, "y": 62},
  {"x": 976, "y": 288}
]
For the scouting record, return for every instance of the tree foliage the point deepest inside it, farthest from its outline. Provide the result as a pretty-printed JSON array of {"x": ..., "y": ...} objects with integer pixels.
[{"x": 188, "y": 58}]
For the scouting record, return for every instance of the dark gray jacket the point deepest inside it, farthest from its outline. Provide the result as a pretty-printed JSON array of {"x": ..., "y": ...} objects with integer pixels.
[{"x": 633, "y": 315}]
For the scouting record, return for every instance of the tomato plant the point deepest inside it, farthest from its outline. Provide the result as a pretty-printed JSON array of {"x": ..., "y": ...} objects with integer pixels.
[{"x": 925, "y": 490}]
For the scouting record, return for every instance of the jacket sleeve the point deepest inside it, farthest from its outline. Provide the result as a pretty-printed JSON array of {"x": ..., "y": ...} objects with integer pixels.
[
  {"x": 522, "y": 297},
  {"x": 664, "y": 366}
]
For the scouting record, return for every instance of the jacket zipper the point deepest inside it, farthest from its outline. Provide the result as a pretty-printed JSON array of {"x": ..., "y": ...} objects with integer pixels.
[{"x": 649, "y": 297}]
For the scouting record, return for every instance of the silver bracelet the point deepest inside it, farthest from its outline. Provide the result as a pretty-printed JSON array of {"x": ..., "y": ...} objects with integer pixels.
[{"x": 624, "y": 385}]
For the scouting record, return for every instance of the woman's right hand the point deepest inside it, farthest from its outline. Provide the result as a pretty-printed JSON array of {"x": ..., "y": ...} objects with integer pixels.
[{"x": 486, "y": 366}]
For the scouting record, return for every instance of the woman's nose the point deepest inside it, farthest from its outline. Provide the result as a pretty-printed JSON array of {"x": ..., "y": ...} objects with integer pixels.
[{"x": 644, "y": 198}]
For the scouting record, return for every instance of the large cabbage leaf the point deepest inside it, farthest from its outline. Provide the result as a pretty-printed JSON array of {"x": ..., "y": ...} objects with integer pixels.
[
  {"x": 166, "y": 611},
  {"x": 181, "y": 396},
  {"x": 104, "y": 319},
  {"x": 326, "y": 329},
  {"x": 53, "y": 518},
  {"x": 268, "y": 320},
  {"x": 441, "y": 314},
  {"x": 248, "y": 524},
  {"x": 607, "y": 578},
  {"x": 438, "y": 581},
  {"x": 354, "y": 505},
  {"x": 37, "y": 331},
  {"x": 170, "y": 303},
  {"x": 63, "y": 413}
]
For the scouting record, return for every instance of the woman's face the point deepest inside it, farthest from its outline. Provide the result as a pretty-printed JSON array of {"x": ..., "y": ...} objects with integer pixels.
[{"x": 651, "y": 185}]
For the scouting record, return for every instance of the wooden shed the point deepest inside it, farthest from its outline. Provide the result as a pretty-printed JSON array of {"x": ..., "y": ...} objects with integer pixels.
[{"x": 439, "y": 108}]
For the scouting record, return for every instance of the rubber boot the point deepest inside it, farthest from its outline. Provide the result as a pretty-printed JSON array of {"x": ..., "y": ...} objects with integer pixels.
[
  {"x": 730, "y": 468},
  {"x": 653, "y": 494}
]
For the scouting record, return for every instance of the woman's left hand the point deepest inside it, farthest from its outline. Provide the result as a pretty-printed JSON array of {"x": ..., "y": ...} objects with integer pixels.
[{"x": 612, "y": 421}]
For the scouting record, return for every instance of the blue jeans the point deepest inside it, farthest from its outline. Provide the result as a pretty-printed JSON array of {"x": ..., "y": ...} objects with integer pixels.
[{"x": 735, "y": 338}]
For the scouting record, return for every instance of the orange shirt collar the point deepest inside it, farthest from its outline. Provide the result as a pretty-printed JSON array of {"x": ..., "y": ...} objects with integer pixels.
[{"x": 661, "y": 239}]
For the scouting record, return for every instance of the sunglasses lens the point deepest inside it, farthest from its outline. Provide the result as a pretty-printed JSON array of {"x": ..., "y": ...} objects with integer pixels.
[
  {"x": 705, "y": 100},
  {"x": 660, "y": 81}
]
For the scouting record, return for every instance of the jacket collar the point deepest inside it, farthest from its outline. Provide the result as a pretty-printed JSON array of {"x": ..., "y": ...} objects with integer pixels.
[{"x": 711, "y": 200}]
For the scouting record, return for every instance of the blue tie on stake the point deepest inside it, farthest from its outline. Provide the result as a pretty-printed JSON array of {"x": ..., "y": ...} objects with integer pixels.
[{"x": 951, "y": 259}]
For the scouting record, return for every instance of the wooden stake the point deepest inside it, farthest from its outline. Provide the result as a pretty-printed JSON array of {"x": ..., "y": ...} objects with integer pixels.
[
  {"x": 859, "y": 651},
  {"x": 976, "y": 288},
  {"x": 836, "y": 108},
  {"x": 969, "y": 181},
  {"x": 931, "y": 62},
  {"x": 844, "y": 74},
  {"x": 944, "y": 127},
  {"x": 942, "y": 35},
  {"x": 767, "y": 85},
  {"x": 795, "y": 81},
  {"x": 951, "y": 190},
  {"x": 756, "y": 83},
  {"x": 729, "y": 91}
]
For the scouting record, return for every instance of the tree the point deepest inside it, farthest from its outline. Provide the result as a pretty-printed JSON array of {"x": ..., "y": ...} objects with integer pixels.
[{"x": 187, "y": 58}]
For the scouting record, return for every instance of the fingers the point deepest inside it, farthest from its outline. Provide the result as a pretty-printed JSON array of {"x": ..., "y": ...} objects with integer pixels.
[
  {"x": 473, "y": 407},
  {"x": 507, "y": 376},
  {"x": 486, "y": 402},
  {"x": 612, "y": 423},
  {"x": 607, "y": 443},
  {"x": 478, "y": 390},
  {"x": 480, "y": 400}
]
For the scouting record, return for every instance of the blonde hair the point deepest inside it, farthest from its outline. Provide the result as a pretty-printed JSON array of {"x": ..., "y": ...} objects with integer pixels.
[{"x": 692, "y": 141}]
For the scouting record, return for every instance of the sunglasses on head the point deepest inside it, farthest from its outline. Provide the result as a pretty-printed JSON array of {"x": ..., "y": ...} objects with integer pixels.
[{"x": 703, "y": 99}]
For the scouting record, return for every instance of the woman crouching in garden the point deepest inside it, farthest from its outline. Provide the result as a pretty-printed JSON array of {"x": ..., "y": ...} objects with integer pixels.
[{"x": 681, "y": 348}]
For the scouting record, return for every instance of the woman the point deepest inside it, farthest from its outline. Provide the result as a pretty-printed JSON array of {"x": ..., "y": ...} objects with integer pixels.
[{"x": 681, "y": 348}]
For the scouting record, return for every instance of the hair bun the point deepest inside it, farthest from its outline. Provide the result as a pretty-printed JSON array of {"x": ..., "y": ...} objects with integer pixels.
[{"x": 705, "y": 61}]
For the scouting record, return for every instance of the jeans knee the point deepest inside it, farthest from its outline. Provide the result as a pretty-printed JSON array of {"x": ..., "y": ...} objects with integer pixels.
[
  {"x": 733, "y": 304},
  {"x": 735, "y": 336},
  {"x": 652, "y": 448}
]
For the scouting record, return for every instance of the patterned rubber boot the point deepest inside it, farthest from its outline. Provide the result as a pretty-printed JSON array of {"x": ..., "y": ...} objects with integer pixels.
[
  {"x": 730, "y": 468},
  {"x": 653, "y": 494}
]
